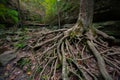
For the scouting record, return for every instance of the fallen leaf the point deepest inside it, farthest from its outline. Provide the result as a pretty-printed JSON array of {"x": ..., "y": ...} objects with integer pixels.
[{"x": 29, "y": 73}]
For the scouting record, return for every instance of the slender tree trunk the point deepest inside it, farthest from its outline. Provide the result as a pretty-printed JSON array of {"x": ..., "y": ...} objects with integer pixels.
[{"x": 19, "y": 14}]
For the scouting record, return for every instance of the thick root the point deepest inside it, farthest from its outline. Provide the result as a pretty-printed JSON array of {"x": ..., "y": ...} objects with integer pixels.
[
  {"x": 100, "y": 61},
  {"x": 67, "y": 58}
]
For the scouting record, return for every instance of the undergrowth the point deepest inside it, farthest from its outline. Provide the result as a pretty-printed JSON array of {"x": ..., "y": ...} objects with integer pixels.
[{"x": 8, "y": 15}]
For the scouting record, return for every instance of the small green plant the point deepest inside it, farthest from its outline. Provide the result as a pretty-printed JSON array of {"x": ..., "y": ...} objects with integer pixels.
[
  {"x": 20, "y": 45},
  {"x": 23, "y": 62},
  {"x": 21, "y": 40}
]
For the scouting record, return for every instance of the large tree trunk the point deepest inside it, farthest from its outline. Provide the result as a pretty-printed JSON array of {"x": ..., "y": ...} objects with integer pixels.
[
  {"x": 86, "y": 13},
  {"x": 85, "y": 17}
]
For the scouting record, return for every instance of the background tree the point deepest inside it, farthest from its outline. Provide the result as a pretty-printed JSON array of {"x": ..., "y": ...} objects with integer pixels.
[{"x": 19, "y": 14}]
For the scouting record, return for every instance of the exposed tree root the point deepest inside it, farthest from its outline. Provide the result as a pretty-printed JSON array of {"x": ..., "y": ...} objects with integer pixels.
[
  {"x": 68, "y": 56},
  {"x": 100, "y": 61},
  {"x": 104, "y": 35}
]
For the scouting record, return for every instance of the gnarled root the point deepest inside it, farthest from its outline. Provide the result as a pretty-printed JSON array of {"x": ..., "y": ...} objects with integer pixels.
[{"x": 69, "y": 57}]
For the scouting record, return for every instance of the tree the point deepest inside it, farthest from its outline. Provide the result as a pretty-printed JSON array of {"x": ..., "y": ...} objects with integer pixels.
[
  {"x": 63, "y": 50},
  {"x": 19, "y": 14}
]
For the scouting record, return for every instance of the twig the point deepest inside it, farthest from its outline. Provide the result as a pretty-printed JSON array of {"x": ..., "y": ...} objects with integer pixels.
[
  {"x": 93, "y": 56},
  {"x": 83, "y": 51},
  {"x": 115, "y": 53},
  {"x": 58, "y": 47},
  {"x": 47, "y": 41},
  {"x": 42, "y": 54},
  {"x": 70, "y": 50},
  {"x": 45, "y": 67},
  {"x": 104, "y": 35},
  {"x": 81, "y": 67},
  {"x": 40, "y": 39},
  {"x": 88, "y": 72},
  {"x": 102, "y": 45},
  {"x": 67, "y": 48},
  {"x": 75, "y": 63},
  {"x": 54, "y": 70},
  {"x": 75, "y": 74},
  {"x": 52, "y": 67},
  {"x": 110, "y": 62}
]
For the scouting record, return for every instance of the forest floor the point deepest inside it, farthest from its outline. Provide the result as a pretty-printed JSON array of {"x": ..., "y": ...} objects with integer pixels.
[{"x": 18, "y": 62}]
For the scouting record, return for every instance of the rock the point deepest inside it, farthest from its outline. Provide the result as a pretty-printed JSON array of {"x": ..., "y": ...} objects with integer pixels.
[{"x": 6, "y": 57}]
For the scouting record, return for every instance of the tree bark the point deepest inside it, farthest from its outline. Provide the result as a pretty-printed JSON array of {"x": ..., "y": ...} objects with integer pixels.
[
  {"x": 86, "y": 13},
  {"x": 85, "y": 18}
]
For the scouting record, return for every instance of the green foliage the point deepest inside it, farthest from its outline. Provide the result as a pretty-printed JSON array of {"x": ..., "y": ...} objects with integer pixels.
[
  {"x": 50, "y": 7},
  {"x": 53, "y": 8},
  {"x": 48, "y": 11},
  {"x": 22, "y": 38},
  {"x": 22, "y": 41},
  {"x": 13, "y": 15},
  {"x": 20, "y": 45},
  {"x": 8, "y": 15},
  {"x": 23, "y": 62}
]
